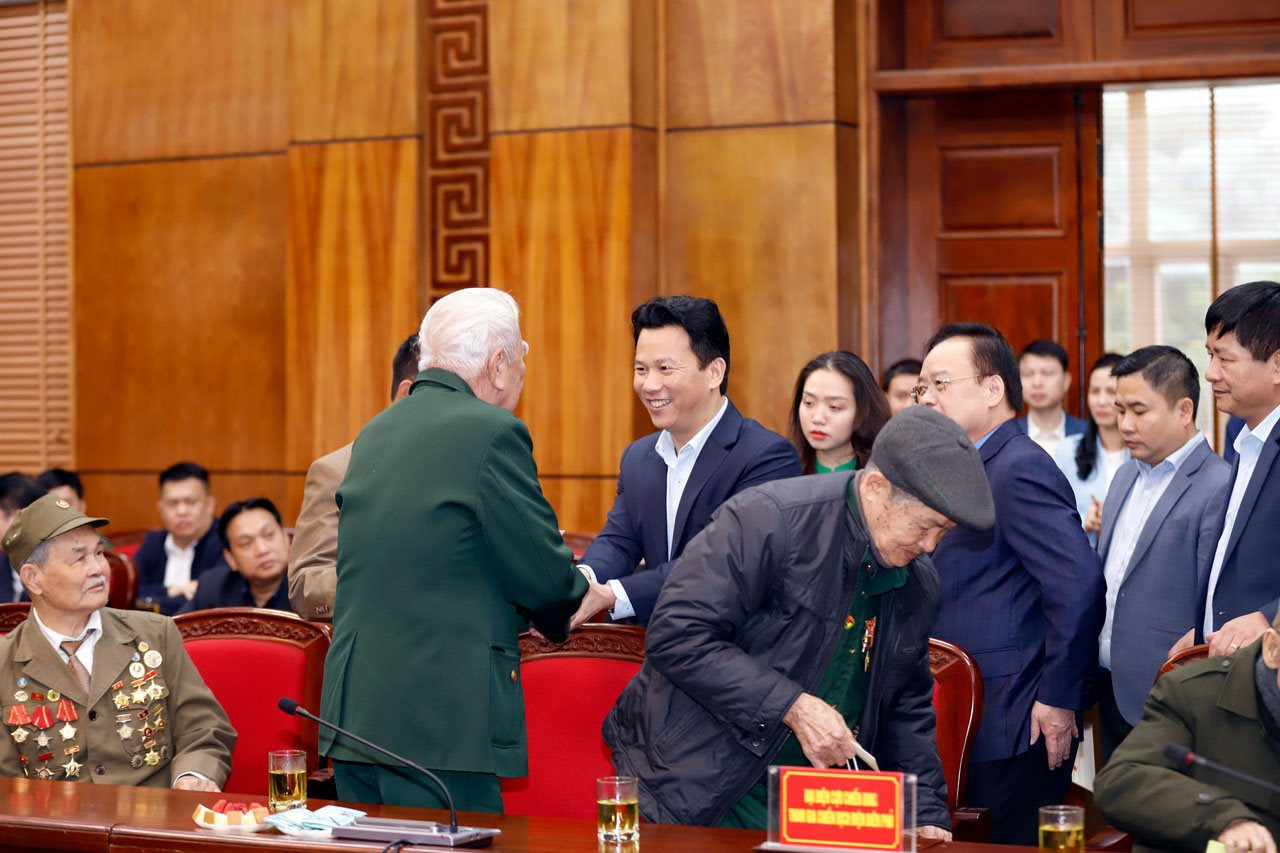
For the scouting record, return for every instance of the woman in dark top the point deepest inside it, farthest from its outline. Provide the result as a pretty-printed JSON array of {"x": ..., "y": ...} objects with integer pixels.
[{"x": 836, "y": 413}]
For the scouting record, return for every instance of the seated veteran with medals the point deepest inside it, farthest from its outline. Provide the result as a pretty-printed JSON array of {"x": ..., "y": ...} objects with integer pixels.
[
  {"x": 797, "y": 622},
  {"x": 88, "y": 693}
]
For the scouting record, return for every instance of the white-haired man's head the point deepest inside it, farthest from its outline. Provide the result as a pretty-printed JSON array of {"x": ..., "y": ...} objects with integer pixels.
[{"x": 476, "y": 334}]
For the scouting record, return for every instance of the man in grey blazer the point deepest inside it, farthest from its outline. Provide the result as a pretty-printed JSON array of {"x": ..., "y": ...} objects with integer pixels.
[{"x": 1157, "y": 528}]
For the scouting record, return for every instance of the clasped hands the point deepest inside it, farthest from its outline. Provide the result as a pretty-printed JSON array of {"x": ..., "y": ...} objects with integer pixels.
[{"x": 826, "y": 740}]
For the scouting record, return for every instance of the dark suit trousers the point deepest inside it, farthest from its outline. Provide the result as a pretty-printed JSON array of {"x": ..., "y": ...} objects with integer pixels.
[
  {"x": 1112, "y": 726},
  {"x": 1015, "y": 788}
]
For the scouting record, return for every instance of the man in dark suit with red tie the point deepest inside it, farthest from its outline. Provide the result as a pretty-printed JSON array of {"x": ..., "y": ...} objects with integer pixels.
[{"x": 1024, "y": 598}]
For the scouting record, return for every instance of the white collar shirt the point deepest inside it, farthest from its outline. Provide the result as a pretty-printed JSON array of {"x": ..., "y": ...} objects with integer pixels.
[
  {"x": 92, "y": 631},
  {"x": 679, "y": 469},
  {"x": 1049, "y": 439},
  {"x": 177, "y": 567},
  {"x": 1147, "y": 489},
  {"x": 1248, "y": 447}
]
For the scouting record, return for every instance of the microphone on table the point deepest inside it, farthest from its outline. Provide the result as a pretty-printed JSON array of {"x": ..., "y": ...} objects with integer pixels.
[
  {"x": 1179, "y": 754},
  {"x": 466, "y": 837}
]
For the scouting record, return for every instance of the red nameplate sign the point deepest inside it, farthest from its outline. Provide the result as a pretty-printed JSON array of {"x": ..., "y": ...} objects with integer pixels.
[{"x": 840, "y": 808}]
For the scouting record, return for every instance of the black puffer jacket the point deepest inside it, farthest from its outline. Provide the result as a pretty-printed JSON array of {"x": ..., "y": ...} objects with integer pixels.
[{"x": 748, "y": 619}]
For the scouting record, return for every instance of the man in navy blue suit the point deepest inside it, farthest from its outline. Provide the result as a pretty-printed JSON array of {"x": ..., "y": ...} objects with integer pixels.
[
  {"x": 671, "y": 481},
  {"x": 1240, "y": 587},
  {"x": 1024, "y": 598}
]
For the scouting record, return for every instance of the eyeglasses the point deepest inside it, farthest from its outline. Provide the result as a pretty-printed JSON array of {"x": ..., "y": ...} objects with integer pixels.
[{"x": 939, "y": 385}]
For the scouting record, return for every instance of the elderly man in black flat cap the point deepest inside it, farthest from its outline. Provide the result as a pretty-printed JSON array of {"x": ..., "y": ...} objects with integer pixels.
[{"x": 803, "y": 609}]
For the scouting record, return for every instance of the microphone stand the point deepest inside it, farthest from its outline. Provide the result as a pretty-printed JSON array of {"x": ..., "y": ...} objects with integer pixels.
[{"x": 398, "y": 829}]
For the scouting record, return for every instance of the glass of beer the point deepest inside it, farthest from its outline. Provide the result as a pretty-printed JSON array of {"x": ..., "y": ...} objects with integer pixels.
[
  {"x": 617, "y": 809},
  {"x": 286, "y": 779},
  {"x": 1061, "y": 829}
]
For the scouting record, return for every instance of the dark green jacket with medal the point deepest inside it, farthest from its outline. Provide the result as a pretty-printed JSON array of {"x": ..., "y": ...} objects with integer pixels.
[
  {"x": 1210, "y": 706},
  {"x": 447, "y": 549}
]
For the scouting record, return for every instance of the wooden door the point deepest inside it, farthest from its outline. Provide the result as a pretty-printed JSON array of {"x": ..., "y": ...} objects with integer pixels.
[{"x": 1003, "y": 215}]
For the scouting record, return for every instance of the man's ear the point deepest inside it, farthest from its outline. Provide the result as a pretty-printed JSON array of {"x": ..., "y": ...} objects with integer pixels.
[
  {"x": 402, "y": 390},
  {"x": 496, "y": 367},
  {"x": 1271, "y": 648},
  {"x": 229, "y": 559},
  {"x": 30, "y": 575},
  {"x": 715, "y": 373}
]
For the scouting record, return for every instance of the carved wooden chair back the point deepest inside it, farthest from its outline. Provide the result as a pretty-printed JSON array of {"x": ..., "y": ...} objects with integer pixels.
[
  {"x": 957, "y": 701},
  {"x": 250, "y": 658}
]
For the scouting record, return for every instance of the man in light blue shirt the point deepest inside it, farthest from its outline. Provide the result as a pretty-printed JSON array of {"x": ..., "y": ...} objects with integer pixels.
[
  {"x": 1157, "y": 527},
  {"x": 1240, "y": 586}
]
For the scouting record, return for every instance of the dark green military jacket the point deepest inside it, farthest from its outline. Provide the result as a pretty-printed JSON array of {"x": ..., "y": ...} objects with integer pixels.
[
  {"x": 447, "y": 549},
  {"x": 1211, "y": 707}
]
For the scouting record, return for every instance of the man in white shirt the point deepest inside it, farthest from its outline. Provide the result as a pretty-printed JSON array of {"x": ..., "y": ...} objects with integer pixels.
[
  {"x": 1043, "y": 368},
  {"x": 1158, "y": 523},
  {"x": 671, "y": 482},
  {"x": 1240, "y": 587},
  {"x": 171, "y": 560}
]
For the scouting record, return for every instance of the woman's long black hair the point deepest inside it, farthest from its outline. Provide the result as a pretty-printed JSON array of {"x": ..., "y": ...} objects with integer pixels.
[{"x": 1087, "y": 450}]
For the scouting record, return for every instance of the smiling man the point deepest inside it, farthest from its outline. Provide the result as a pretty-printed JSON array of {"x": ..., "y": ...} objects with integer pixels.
[
  {"x": 1025, "y": 598},
  {"x": 803, "y": 609},
  {"x": 256, "y": 551},
  {"x": 1240, "y": 588},
  {"x": 93, "y": 694},
  {"x": 671, "y": 482}
]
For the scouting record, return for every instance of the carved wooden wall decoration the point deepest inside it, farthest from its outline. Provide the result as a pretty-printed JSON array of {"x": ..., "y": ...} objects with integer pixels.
[{"x": 457, "y": 140}]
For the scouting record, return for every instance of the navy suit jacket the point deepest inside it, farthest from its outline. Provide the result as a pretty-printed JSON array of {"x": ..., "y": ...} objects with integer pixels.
[
  {"x": 739, "y": 453},
  {"x": 6, "y": 582},
  {"x": 1075, "y": 426},
  {"x": 1249, "y": 580},
  {"x": 1025, "y": 598},
  {"x": 1156, "y": 602},
  {"x": 151, "y": 561},
  {"x": 222, "y": 586}
]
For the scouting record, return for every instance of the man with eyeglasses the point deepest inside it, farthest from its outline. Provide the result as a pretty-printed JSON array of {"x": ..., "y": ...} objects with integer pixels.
[{"x": 1025, "y": 598}]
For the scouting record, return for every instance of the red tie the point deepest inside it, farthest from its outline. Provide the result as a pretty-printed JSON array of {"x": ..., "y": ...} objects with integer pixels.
[{"x": 77, "y": 668}]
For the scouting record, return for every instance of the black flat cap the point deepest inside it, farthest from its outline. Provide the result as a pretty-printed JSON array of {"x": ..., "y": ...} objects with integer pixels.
[{"x": 926, "y": 454}]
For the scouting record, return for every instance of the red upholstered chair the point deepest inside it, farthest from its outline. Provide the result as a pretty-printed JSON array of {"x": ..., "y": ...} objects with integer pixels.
[
  {"x": 127, "y": 542},
  {"x": 13, "y": 614},
  {"x": 568, "y": 690},
  {"x": 250, "y": 658},
  {"x": 123, "y": 592},
  {"x": 1185, "y": 656}
]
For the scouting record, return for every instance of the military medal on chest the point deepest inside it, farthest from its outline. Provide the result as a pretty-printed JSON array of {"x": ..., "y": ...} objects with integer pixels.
[{"x": 868, "y": 640}]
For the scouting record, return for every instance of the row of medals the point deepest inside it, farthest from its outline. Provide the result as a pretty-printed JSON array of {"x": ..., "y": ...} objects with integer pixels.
[{"x": 142, "y": 750}]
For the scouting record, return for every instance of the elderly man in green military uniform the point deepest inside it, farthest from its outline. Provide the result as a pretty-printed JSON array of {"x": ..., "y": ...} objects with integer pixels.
[
  {"x": 91, "y": 694},
  {"x": 447, "y": 549},
  {"x": 1226, "y": 709}
]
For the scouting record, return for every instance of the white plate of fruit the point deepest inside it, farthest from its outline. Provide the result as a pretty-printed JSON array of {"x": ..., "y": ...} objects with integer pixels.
[{"x": 232, "y": 816}]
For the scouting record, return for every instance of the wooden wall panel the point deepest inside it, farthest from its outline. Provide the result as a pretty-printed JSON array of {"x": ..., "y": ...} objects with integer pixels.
[
  {"x": 996, "y": 189},
  {"x": 752, "y": 62},
  {"x": 1027, "y": 307},
  {"x": 129, "y": 498},
  {"x": 574, "y": 230},
  {"x": 581, "y": 503},
  {"x": 569, "y": 63},
  {"x": 752, "y": 223},
  {"x": 352, "y": 286},
  {"x": 179, "y": 313},
  {"x": 353, "y": 68},
  {"x": 1157, "y": 29},
  {"x": 154, "y": 78},
  {"x": 952, "y": 33}
]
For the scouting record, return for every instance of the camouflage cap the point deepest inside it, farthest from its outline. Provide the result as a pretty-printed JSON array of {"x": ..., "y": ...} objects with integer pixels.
[{"x": 43, "y": 519}]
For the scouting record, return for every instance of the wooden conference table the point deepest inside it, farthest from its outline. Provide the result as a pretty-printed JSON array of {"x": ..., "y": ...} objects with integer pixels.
[{"x": 85, "y": 818}]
